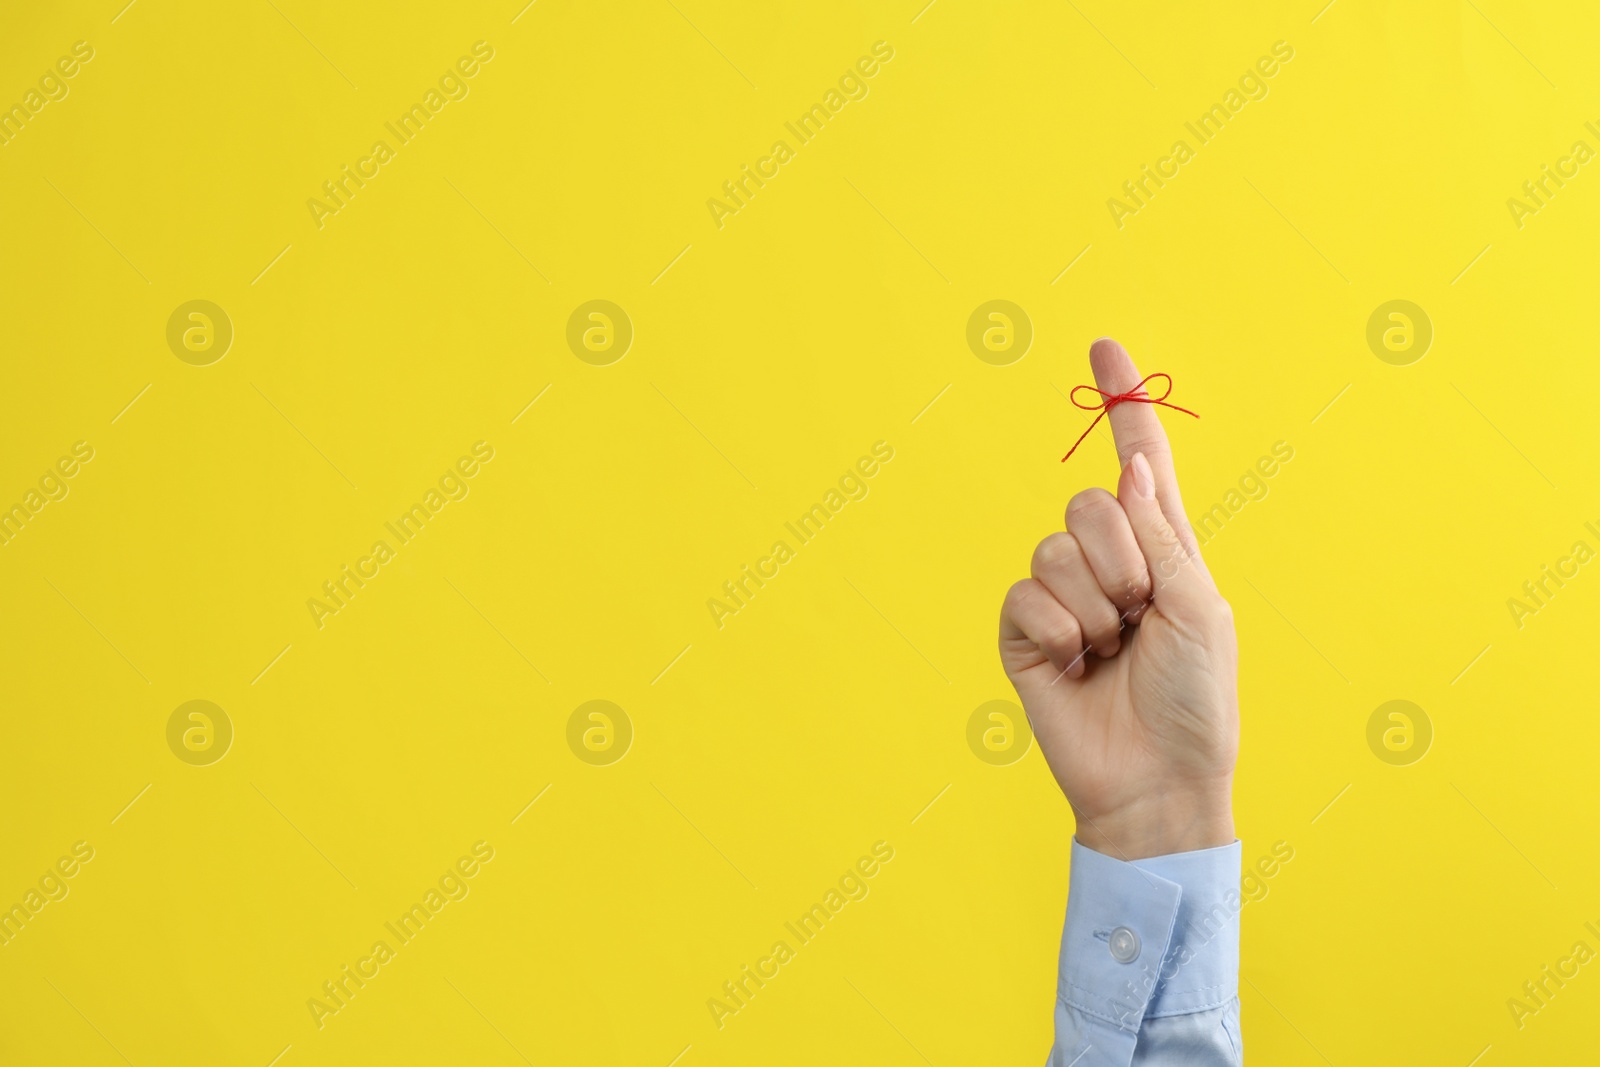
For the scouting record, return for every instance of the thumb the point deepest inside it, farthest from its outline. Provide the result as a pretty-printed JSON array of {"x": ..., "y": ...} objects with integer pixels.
[{"x": 1182, "y": 585}]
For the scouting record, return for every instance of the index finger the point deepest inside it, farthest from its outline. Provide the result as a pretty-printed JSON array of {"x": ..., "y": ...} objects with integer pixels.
[{"x": 1137, "y": 428}]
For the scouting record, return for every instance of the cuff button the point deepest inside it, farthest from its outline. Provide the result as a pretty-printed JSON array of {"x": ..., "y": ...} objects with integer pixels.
[{"x": 1124, "y": 945}]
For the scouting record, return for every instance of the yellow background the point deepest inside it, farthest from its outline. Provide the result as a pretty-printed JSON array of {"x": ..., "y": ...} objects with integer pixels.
[{"x": 828, "y": 714}]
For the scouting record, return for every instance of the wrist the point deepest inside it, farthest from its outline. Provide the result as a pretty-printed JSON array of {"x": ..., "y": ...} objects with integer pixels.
[{"x": 1160, "y": 824}]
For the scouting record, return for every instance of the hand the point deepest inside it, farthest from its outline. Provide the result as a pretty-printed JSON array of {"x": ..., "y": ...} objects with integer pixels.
[{"x": 1124, "y": 655}]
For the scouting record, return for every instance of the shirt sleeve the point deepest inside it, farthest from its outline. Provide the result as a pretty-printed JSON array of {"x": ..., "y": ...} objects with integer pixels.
[{"x": 1150, "y": 961}]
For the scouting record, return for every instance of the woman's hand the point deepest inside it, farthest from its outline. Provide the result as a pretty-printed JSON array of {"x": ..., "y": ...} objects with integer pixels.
[{"x": 1124, "y": 655}]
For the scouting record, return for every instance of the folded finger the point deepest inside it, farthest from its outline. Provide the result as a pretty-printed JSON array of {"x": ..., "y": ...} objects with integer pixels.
[
  {"x": 1032, "y": 617},
  {"x": 1061, "y": 565},
  {"x": 1101, "y": 526}
]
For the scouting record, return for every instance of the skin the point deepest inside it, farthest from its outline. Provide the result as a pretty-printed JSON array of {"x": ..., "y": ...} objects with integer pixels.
[{"x": 1123, "y": 652}]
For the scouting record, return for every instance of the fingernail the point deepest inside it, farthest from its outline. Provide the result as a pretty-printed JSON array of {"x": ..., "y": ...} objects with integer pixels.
[{"x": 1144, "y": 482}]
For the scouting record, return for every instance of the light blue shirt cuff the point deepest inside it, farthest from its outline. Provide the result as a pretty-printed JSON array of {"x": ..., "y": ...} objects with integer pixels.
[{"x": 1150, "y": 938}]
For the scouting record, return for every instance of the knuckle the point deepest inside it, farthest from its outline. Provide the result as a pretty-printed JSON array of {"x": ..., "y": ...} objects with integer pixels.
[
  {"x": 1154, "y": 447},
  {"x": 1062, "y": 638},
  {"x": 1018, "y": 594},
  {"x": 1091, "y": 510},
  {"x": 1056, "y": 551},
  {"x": 1106, "y": 625},
  {"x": 1166, "y": 537}
]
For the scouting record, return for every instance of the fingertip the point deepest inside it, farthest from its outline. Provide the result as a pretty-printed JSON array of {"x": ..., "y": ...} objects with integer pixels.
[
  {"x": 1102, "y": 349},
  {"x": 1111, "y": 363}
]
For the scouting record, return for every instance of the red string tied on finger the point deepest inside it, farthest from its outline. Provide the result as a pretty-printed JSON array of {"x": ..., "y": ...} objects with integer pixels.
[{"x": 1137, "y": 395}]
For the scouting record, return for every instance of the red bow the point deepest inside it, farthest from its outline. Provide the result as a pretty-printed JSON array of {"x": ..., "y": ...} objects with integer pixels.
[{"x": 1109, "y": 400}]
